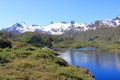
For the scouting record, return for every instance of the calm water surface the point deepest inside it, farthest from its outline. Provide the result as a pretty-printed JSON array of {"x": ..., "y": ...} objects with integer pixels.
[{"x": 103, "y": 65}]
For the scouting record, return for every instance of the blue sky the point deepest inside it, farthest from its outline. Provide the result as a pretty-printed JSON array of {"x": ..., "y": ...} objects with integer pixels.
[{"x": 42, "y": 12}]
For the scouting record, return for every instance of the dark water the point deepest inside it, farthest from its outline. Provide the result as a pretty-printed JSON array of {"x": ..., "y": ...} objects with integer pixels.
[{"x": 103, "y": 65}]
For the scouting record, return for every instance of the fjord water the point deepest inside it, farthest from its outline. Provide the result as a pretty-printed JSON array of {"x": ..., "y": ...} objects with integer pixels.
[{"x": 103, "y": 65}]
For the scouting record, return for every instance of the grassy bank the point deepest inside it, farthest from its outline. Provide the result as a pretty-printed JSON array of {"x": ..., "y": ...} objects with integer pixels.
[{"x": 26, "y": 62}]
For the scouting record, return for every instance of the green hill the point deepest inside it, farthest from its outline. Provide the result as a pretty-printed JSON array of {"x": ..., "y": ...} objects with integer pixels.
[
  {"x": 45, "y": 40},
  {"x": 104, "y": 37},
  {"x": 19, "y": 60}
]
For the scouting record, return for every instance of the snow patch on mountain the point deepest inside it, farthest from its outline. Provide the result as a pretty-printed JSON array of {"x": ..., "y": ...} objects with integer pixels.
[
  {"x": 57, "y": 28},
  {"x": 22, "y": 27},
  {"x": 117, "y": 20},
  {"x": 104, "y": 23},
  {"x": 62, "y": 27},
  {"x": 53, "y": 28}
]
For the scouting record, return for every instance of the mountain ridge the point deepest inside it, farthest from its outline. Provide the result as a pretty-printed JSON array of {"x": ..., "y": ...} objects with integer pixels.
[
  {"x": 54, "y": 28},
  {"x": 62, "y": 27}
]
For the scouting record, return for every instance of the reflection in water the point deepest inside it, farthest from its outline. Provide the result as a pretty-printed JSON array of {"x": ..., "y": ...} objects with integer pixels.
[
  {"x": 117, "y": 60},
  {"x": 104, "y": 65}
]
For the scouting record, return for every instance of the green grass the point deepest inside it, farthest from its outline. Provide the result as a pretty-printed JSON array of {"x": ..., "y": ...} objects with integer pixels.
[
  {"x": 106, "y": 38},
  {"x": 26, "y": 62}
]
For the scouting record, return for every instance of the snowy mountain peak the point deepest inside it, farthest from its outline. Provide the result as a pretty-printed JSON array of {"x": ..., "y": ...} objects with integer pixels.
[
  {"x": 19, "y": 25},
  {"x": 104, "y": 23},
  {"x": 20, "y": 28},
  {"x": 62, "y": 27},
  {"x": 52, "y": 28},
  {"x": 118, "y": 17},
  {"x": 117, "y": 20}
]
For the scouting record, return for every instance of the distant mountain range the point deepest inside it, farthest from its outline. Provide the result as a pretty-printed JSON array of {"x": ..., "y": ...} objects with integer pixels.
[
  {"x": 99, "y": 32},
  {"x": 63, "y": 27},
  {"x": 52, "y": 28}
]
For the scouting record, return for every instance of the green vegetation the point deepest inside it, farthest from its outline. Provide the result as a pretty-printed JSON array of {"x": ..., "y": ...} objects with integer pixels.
[
  {"x": 26, "y": 62},
  {"x": 28, "y": 56},
  {"x": 5, "y": 43},
  {"x": 44, "y": 40},
  {"x": 105, "y": 38}
]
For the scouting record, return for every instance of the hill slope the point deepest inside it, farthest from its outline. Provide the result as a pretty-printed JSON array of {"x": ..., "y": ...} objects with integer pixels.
[
  {"x": 21, "y": 61},
  {"x": 105, "y": 37},
  {"x": 26, "y": 62},
  {"x": 103, "y": 33}
]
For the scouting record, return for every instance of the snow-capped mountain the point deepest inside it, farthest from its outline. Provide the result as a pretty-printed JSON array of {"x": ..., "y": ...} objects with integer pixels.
[
  {"x": 22, "y": 27},
  {"x": 104, "y": 23},
  {"x": 53, "y": 28},
  {"x": 60, "y": 28},
  {"x": 63, "y": 27}
]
